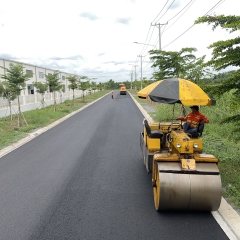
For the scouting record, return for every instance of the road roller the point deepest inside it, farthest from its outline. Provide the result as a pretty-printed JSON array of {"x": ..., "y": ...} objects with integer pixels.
[
  {"x": 123, "y": 90},
  {"x": 184, "y": 177}
]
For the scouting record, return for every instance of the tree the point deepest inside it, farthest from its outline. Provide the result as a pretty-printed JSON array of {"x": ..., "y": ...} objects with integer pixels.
[
  {"x": 136, "y": 85},
  {"x": 100, "y": 86},
  {"x": 112, "y": 85},
  {"x": 172, "y": 64},
  {"x": 7, "y": 93},
  {"x": 16, "y": 79},
  {"x": 54, "y": 83},
  {"x": 41, "y": 88},
  {"x": 226, "y": 53},
  {"x": 83, "y": 84},
  {"x": 128, "y": 84},
  {"x": 93, "y": 86},
  {"x": 146, "y": 82},
  {"x": 73, "y": 85},
  {"x": 198, "y": 70}
]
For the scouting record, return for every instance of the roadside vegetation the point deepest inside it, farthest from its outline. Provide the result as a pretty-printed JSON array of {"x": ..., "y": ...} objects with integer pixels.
[{"x": 11, "y": 132}]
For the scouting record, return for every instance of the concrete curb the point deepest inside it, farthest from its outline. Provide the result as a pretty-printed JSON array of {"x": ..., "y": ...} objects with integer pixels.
[{"x": 226, "y": 216}]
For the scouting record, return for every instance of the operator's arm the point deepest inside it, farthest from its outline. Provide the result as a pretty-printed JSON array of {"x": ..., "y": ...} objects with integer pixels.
[
  {"x": 204, "y": 119},
  {"x": 182, "y": 119}
]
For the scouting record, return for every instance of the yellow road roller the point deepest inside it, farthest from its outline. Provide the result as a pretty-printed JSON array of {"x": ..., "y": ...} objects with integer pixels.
[
  {"x": 184, "y": 177},
  {"x": 123, "y": 90}
]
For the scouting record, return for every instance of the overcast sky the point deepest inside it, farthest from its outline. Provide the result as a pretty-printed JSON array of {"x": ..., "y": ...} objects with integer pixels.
[{"x": 95, "y": 38}]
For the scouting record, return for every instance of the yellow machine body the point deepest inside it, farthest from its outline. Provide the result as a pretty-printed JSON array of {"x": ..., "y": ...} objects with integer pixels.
[
  {"x": 183, "y": 176},
  {"x": 180, "y": 142},
  {"x": 153, "y": 144},
  {"x": 123, "y": 89}
]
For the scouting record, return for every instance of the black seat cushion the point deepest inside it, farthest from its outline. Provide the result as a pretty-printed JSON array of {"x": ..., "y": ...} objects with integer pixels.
[
  {"x": 152, "y": 133},
  {"x": 156, "y": 134}
]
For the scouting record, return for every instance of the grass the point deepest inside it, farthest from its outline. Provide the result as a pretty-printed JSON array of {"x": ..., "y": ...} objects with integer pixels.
[
  {"x": 11, "y": 133},
  {"x": 220, "y": 140}
]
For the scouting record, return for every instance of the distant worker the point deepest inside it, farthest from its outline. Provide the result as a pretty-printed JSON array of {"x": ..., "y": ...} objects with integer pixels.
[
  {"x": 193, "y": 119},
  {"x": 112, "y": 95}
]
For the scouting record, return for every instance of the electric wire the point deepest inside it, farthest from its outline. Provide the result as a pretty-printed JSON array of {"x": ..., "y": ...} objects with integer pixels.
[
  {"x": 179, "y": 16},
  {"x": 214, "y": 7},
  {"x": 191, "y": 3},
  {"x": 146, "y": 38},
  {"x": 145, "y": 43},
  {"x": 180, "y": 11},
  {"x": 160, "y": 11},
  {"x": 157, "y": 41},
  {"x": 166, "y": 11}
]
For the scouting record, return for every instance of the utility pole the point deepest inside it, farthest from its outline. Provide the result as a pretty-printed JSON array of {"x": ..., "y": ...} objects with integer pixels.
[
  {"x": 131, "y": 74},
  {"x": 134, "y": 72},
  {"x": 159, "y": 32},
  {"x": 135, "y": 75},
  {"x": 141, "y": 56}
]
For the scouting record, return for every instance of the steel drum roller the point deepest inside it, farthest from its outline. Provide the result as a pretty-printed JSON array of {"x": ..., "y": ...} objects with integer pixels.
[{"x": 178, "y": 190}]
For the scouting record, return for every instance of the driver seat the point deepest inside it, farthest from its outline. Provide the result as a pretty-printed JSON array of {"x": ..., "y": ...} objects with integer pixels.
[{"x": 152, "y": 133}]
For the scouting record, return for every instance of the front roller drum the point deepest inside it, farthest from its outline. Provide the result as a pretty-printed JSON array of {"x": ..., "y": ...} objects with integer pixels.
[{"x": 174, "y": 190}]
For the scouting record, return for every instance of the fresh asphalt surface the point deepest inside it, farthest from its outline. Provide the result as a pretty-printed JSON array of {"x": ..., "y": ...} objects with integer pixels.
[{"x": 85, "y": 179}]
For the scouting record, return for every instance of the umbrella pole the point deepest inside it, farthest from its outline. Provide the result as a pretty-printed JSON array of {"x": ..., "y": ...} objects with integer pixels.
[
  {"x": 184, "y": 111},
  {"x": 172, "y": 117}
]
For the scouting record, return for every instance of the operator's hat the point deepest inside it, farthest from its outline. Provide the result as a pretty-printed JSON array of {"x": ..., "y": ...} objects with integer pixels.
[{"x": 195, "y": 107}]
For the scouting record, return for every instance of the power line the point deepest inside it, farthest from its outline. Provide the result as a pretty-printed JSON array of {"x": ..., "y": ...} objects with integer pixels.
[
  {"x": 157, "y": 41},
  {"x": 160, "y": 11},
  {"x": 146, "y": 37},
  {"x": 179, "y": 16},
  {"x": 145, "y": 44},
  {"x": 173, "y": 18},
  {"x": 190, "y": 3},
  {"x": 215, "y": 6},
  {"x": 180, "y": 11},
  {"x": 164, "y": 30},
  {"x": 166, "y": 10}
]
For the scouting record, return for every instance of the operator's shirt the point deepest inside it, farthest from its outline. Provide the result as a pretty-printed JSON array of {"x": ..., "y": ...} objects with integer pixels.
[{"x": 194, "y": 119}]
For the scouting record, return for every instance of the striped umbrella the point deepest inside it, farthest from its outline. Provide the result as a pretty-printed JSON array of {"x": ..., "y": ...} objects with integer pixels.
[
  {"x": 177, "y": 90},
  {"x": 145, "y": 91}
]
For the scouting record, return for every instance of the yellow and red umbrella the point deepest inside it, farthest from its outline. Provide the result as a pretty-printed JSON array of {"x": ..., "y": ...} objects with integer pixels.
[{"x": 178, "y": 90}]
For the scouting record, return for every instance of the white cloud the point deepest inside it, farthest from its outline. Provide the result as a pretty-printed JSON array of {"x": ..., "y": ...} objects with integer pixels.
[{"x": 95, "y": 38}]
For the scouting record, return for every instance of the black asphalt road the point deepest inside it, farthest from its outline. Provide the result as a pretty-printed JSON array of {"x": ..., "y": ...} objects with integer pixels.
[{"x": 85, "y": 179}]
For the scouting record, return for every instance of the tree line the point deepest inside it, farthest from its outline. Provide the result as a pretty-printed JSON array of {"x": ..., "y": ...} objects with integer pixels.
[{"x": 184, "y": 64}]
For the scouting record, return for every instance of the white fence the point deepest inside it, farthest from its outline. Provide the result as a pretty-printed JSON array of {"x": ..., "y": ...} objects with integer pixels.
[{"x": 33, "y": 101}]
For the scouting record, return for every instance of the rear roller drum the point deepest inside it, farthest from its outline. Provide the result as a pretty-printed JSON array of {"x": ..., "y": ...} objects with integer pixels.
[{"x": 185, "y": 191}]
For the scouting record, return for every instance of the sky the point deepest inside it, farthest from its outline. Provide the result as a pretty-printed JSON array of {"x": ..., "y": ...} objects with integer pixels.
[{"x": 95, "y": 38}]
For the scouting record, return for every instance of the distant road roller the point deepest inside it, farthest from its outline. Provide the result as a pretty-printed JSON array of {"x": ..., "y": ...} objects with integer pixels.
[
  {"x": 123, "y": 90},
  {"x": 183, "y": 176}
]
